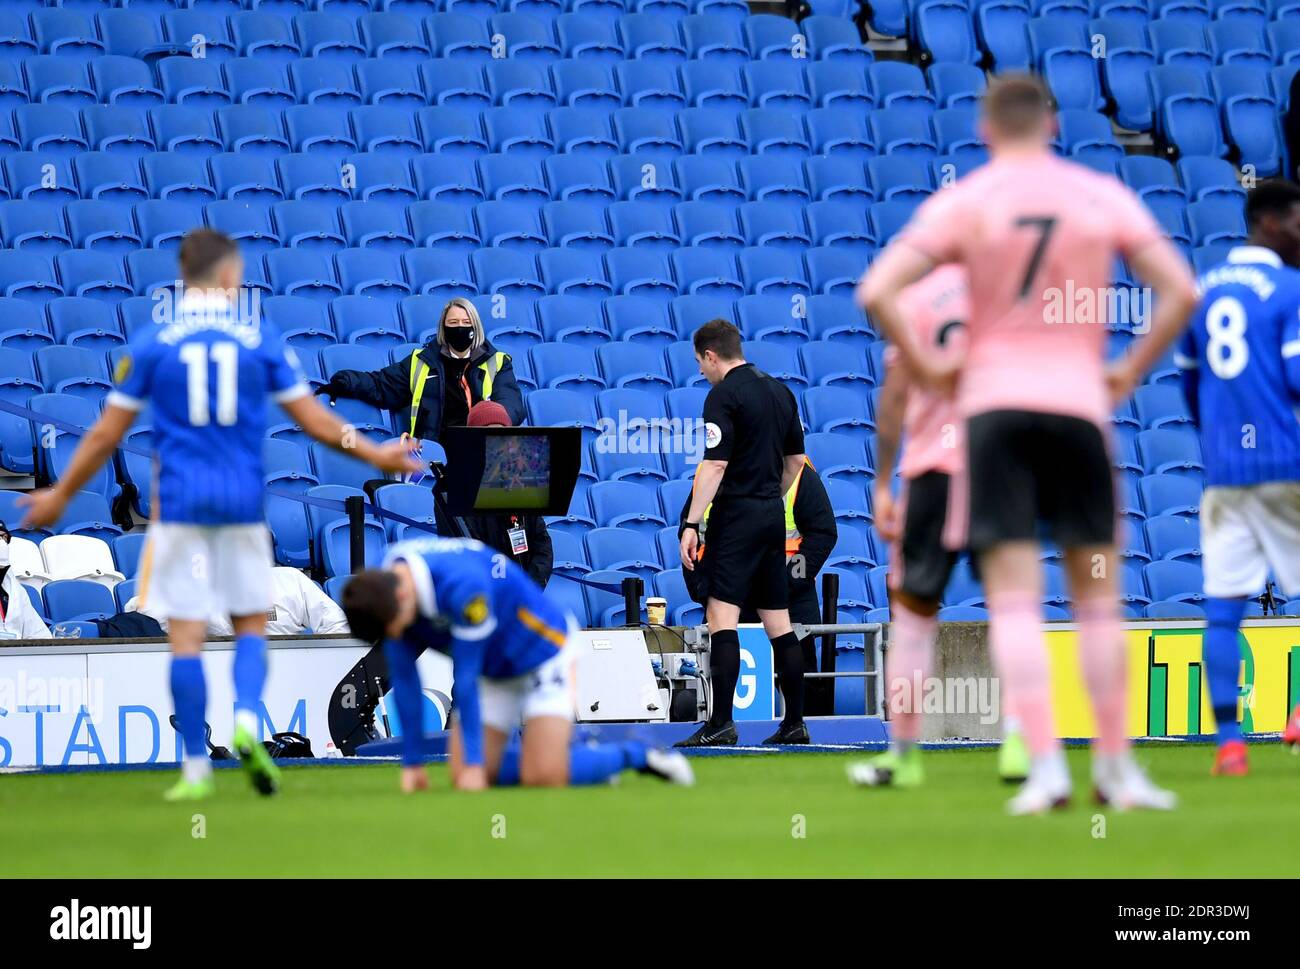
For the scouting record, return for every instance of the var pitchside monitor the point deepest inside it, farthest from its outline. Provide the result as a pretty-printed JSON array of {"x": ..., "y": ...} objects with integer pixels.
[{"x": 519, "y": 470}]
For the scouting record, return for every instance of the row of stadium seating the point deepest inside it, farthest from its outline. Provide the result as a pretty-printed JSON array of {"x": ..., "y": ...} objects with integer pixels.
[{"x": 449, "y": 34}]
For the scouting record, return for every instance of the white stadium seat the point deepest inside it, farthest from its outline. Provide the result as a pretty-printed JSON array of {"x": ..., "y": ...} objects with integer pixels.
[
  {"x": 80, "y": 557},
  {"x": 26, "y": 563}
]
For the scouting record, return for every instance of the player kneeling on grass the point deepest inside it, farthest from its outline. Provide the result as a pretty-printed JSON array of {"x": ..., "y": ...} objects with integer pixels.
[{"x": 511, "y": 665}]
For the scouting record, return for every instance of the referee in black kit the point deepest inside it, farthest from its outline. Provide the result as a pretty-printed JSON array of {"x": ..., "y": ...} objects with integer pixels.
[{"x": 753, "y": 450}]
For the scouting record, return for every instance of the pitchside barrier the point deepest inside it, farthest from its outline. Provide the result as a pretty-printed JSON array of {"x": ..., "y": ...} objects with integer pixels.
[
  {"x": 106, "y": 702},
  {"x": 79, "y": 702}
]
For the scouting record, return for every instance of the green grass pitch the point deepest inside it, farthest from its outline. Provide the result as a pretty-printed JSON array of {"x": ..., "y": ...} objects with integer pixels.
[{"x": 749, "y": 816}]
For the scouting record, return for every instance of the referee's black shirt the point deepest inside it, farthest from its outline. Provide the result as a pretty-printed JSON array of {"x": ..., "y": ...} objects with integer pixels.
[{"x": 751, "y": 421}]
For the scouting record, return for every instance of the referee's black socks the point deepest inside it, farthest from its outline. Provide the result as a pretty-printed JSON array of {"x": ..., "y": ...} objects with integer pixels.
[
  {"x": 787, "y": 653},
  {"x": 724, "y": 671}
]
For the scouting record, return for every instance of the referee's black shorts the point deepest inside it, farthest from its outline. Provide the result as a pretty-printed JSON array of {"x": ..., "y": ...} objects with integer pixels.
[
  {"x": 1031, "y": 471},
  {"x": 744, "y": 553}
]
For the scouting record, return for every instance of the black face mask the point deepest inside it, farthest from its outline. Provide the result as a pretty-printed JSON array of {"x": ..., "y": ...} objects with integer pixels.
[{"x": 458, "y": 338}]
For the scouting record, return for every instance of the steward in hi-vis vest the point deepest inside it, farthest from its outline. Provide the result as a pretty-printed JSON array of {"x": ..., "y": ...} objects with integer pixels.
[{"x": 436, "y": 385}]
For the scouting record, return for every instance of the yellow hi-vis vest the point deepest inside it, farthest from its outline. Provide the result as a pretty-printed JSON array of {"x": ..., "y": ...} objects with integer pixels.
[
  {"x": 420, "y": 373},
  {"x": 792, "y": 536}
]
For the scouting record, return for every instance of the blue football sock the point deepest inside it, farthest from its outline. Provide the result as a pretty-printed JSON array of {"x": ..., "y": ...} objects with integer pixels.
[
  {"x": 190, "y": 698},
  {"x": 597, "y": 763},
  {"x": 588, "y": 763},
  {"x": 250, "y": 672},
  {"x": 1222, "y": 658},
  {"x": 408, "y": 699}
]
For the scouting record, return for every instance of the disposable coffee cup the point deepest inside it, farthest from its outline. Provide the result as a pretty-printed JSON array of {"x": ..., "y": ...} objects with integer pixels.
[{"x": 656, "y": 610}]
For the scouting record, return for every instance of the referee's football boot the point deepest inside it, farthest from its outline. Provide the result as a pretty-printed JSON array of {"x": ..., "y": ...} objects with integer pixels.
[
  {"x": 789, "y": 734},
  {"x": 257, "y": 763},
  {"x": 710, "y": 736}
]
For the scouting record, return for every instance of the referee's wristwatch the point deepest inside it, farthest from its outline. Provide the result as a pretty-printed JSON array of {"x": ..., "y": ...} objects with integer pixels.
[{"x": 694, "y": 525}]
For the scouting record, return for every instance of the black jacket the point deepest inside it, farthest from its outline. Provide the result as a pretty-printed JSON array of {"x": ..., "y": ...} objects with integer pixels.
[
  {"x": 390, "y": 388},
  {"x": 494, "y": 532},
  {"x": 815, "y": 519}
]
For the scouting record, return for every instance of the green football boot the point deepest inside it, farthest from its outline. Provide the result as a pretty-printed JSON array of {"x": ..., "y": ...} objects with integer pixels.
[
  {"x": 1013, "y": 759},
  {"x": 257, "y": 763},
  {"x": 184, "y": 790},
  {"x": 890, "y": 769}
]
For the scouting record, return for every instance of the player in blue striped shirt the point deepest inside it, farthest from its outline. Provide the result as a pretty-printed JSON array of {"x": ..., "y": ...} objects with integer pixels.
[
  {"x": 207, "y": 373},
  {"x": 511, "y": 666},
  {"x": 1241, "y": 375}
]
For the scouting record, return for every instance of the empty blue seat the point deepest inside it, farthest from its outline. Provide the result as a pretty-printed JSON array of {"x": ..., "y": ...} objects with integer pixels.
[
  {"x": 264, "y": 36},
  {"x": 576, "y": 273},
  {"x": 35, "y": 225},
  {"x": 575, "y": 130},
  {"x": 1204, "y": 177},
  {"x": 897, "y": 84},
  {"x": 943, "y": 28},
  {"x": 713, "y": 84},
  {"x": 1174, "y": 581},
  {"x": 385, "y": 128},
  {"x": 832, "y": 223},
  {"x": 585, "y": 84},
  {"x": 321, "y": 35},
  {"x": 66, "y": 33},
  {"x": 90, "y": 323},
  {"x": 711, "y": 131},
  {"x": 183, "y": 129},
  {"x": 774, "y": 131},
  {"x": 840, "y": 132},
  {"x": 708, "y": 223},
  {"x": 319, "y": 128},
  {"x": 651, "y": 38},
  {"x": 182, "y": 27},
  {"x": 769, "y": 35},
  {"x": 647, "y": 133},
  {"x": 324, "y": 81},
  {"x": 715, "y": 38},
  {"x": 956, "y": 84},
  {"x": 587, "y": 38},
  {"x": 78, "y": 599},
  {"x": 650, "y": 84},
  {"x": 709, "y": 178},
  {"x": 99, "y": 275},
  {"x": 1000, "y": 29},
  {"x": 639, "y": 271},
  {"x": 392, "y": 35},
  {"x": 707, "y": 272},
  {"x": 578, "y": 178},
  {"x": 58, "y": 80},
  {"x": 1213, "y": 220},
  {"x": 1169, "y": 494},
  {"x": 840, "y": 84},
  {"x": 525, "y": 37},
  {"x": 639, "y": 320},
  {"x": 626, "y": 504},
  {"x": 507, "y": 272}
]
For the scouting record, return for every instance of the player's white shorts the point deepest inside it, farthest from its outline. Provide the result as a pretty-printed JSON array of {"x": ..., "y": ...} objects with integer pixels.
[
  {"x": 1245, "y": 532},
  {"x": 200, "y": 571},
  {"x": 548, "y": 691}
]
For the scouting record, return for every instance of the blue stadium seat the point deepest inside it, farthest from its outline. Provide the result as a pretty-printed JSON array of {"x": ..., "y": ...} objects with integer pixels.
[
  {"x": 626, "y": 504},
  {"x": 639, "y": 321},
  {"x": 841, "y": 84},
  {"x": 708, "y": 223},
  {"x": 578, "y": 178},
  {"x": 577, "y": 274},
  {"x": 943, "y": 28},
  {"x": 588, "y": 38},
  {"x": 577, "y": 224},
  {"x": 713, "y": 84},
  {"x": 81, "y": 322},
  {"x": 642, "y": 272},
  {"x": 567, "y": 367},
  {"x": 775, "y": 225},
  {"x": 65, "y": 33},
  {"x": 582, "y": 130},
  {"x": 647, "y": 133},
  {"x": 77, "y": 599},
  {"x": 773, "y": 131},
  {"x": 559, "y": 407},
  {"x": 183, "y": 129},
  {"x": 708, "y": 177},
  {"x": 585, "y": 84},
  {"x": 526, "y": 38},
  {"x": 1169, "y": 494},
  {"x": 1205, "y": 177},
  {"x": 711, "y": 131},
  {"x": 829, "y": 364},
  {"x": 1216, "y": 220},
  {"x": 839, "y": 409},
  {"x": 629, "y": 365},
  {"x": 956, "y": 84},
  {"x": 1174, "y": 581},
  {"x": 835, "y": 268},
  {"x": 777, "y": 84},
  {"x": 707, "y": 272}
]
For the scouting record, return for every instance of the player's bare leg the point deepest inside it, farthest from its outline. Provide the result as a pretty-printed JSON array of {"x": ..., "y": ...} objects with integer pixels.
[
  {"x": 1103, "y": 656},
  {"x": 1013, "y": 580},
  {"x": 250, "y": 678},
  {"x": 907, "y": 664},
  {"x": 544, "y": 753},
  {"x": 189, "y": 695},
  {"x": 416, "y": 778}
]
